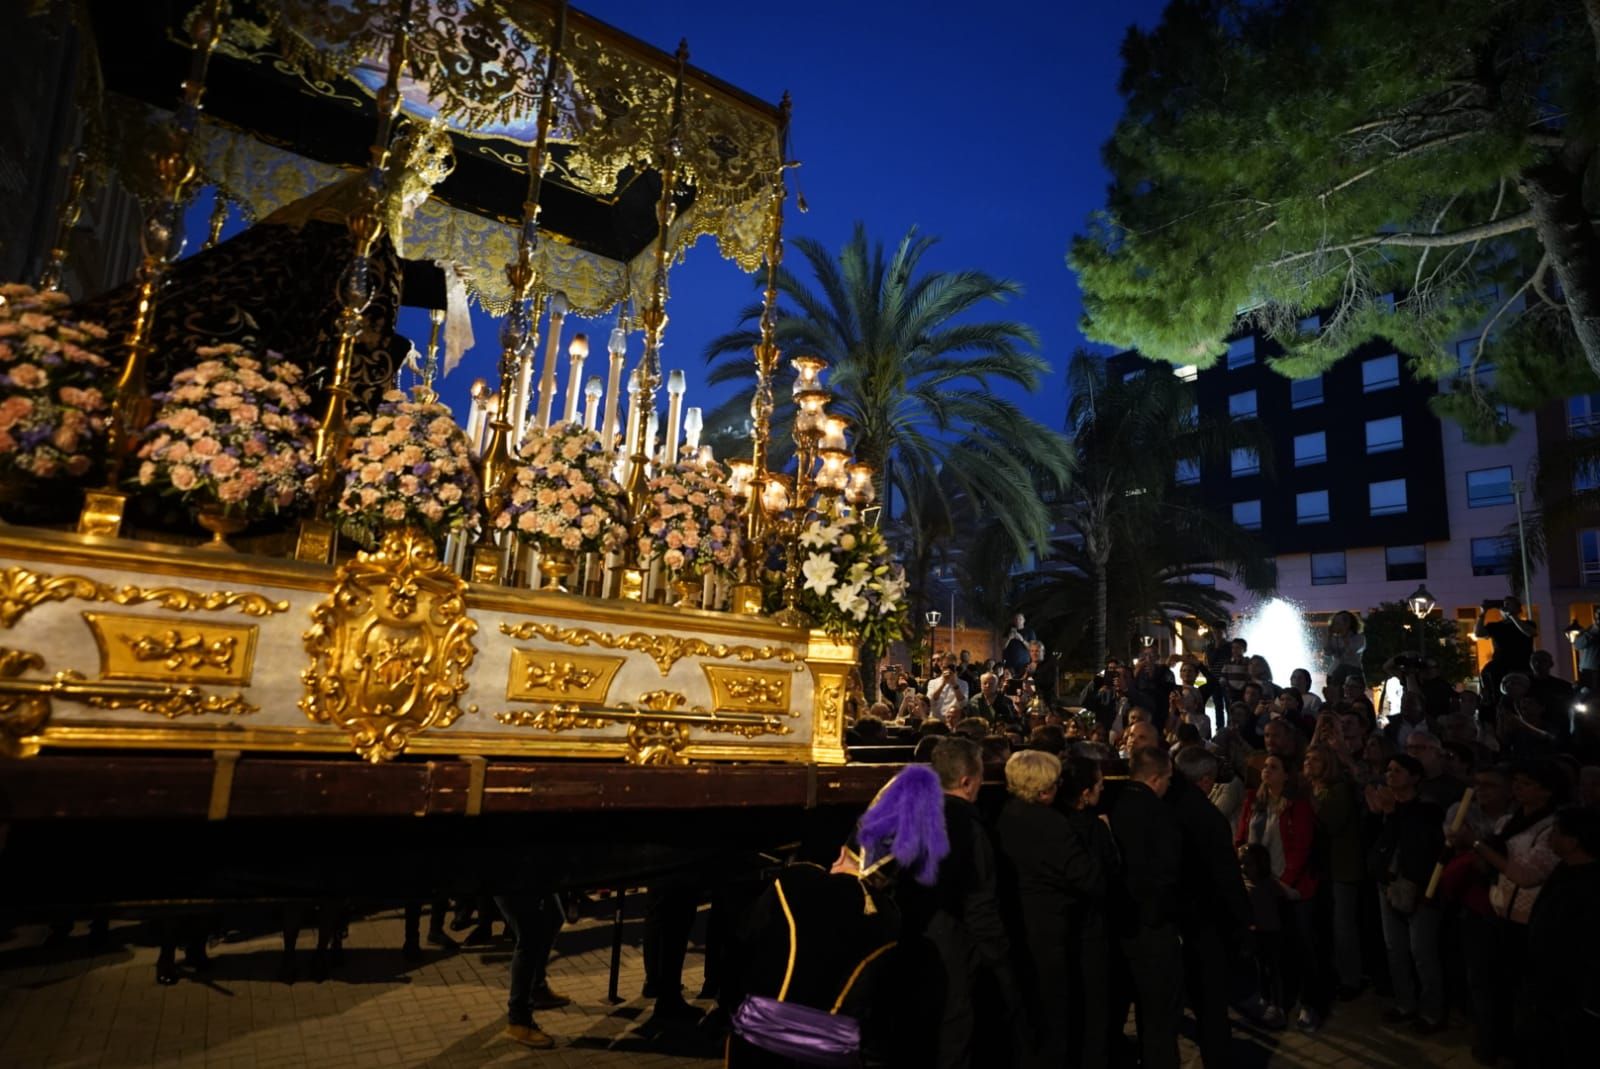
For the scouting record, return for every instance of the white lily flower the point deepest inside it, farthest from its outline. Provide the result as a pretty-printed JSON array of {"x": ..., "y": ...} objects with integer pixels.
[{"x": 819, "y": 571}]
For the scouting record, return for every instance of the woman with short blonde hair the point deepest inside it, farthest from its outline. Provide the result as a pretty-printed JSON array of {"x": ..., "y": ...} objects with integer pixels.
[{"x": 1032, "y": 774}]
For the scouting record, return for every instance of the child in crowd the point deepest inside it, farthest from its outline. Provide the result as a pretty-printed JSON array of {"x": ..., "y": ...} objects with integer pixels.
[{"x": 1264, "y": 891}]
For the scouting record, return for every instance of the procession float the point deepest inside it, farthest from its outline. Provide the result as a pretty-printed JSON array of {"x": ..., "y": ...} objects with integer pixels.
[{"x": 256, "y": 576}]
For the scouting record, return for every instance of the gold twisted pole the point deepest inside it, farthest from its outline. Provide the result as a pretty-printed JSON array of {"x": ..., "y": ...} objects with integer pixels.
[
  {"x": 316, "y": 541},
  {"x": 518, "y": 335},
  {"x": 746, "y": 593},
  {"x": 71, "y": 208},
  {"x": 654, "y": 321},
  {"x": 160, "y": 243}
]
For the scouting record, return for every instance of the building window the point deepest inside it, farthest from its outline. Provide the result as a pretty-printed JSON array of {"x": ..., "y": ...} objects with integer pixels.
[
  {"x": 1405, "y": 562},
  {"x": 1188, "y": 472},
  {"x": 1583, "y": 415},
  {"x": 1380, "y": 373},
  {"x": 1310, "y": 448},
  {"x": 1246, "y": 462},
  {"x": 1186, "y": 373},
  {"x": 1387, "y": 498},
  {"x": 1311, "y": 507},
  {"x": 1303, "y": 393},
  {"x": 1310, "y": 324},
  {"x": 1502, "y": 416},
  {"x": 1384, "y": 435},
  {"x": 1385, "y": 301},
  {"x": 1242, "y": 352},
  {"x": 1488, "y": 486},
  {"x": 1588, "y": 555},
  {"x": 1492, "y": 556},
  {"x": 1247, "y": 514},
  {"x": 1327, "y": 569},
  {"x": 1466, "y": 352},
  {"x": 1242, "y": 405}
]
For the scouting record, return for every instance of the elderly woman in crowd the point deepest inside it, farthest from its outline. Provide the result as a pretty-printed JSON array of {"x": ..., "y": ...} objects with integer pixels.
[{"x": 1044, "y": 871}]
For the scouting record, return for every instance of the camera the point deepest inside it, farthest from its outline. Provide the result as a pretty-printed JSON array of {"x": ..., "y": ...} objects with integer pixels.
[{"x": 1493, "y": 603}]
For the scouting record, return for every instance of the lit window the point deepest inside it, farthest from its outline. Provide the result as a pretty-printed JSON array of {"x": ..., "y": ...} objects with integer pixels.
[
  {"x": 1188, "y": 472},
  {"x": 1186, "y": 373},
  {"x": 1384, "y": 435},
  {"x": 1387, "y": 498},
  {"x": 1242, "y": 405},
  {"x": 1588, "y": 552},
  {"x": 1246, "y": 462},
  {"x": 1303, "y": 393},
  {"x": 1311, "y": 507},
  {"x": 1247, "y": 514},
  {"x": 1488, "y": 486},
  {"x": 1380, "y": 373},
  {"x": 1327, "y": 569},
  {"x": 1466, "y": 353},
  {"x": 1310, "y": 448},
  {"x": 1583, "y": 415},
  {"x": 1310, "y": 324},
  {"x": 1492, "y": 556},
  {"x": 1242, "y": 352},
  {"x": 1405, "y": 562}
]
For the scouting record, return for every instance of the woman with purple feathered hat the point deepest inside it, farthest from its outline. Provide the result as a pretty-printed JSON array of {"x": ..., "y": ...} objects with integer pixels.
[{"x": 816, "y": 940}]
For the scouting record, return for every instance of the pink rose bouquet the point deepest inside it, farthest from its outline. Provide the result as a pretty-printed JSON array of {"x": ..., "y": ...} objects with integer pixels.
[
  {"x": 563, "y": 495},
  {"x": 53, "y": 386},
  {"x": 409, "y": 465},
  {"x": 233, "y": 432},
  {"x": 691, "y": 521}
]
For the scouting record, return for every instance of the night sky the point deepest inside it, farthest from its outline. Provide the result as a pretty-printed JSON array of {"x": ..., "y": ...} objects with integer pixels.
[{"x": 978, "y": 123}]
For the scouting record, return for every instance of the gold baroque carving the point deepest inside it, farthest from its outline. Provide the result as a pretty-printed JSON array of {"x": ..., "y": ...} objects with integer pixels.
[
  {"x": 557, "y": 718},
  {"x": 390, "y": 647},
  {"x": 574, "y": 678},
  {"x": 22, "y": 589},
  {"x": 657, "y": 742},
  {"x": 152, "y": 648},
  {"x": 665, "y": 650},
  {"x": 657, "y": 733},
  {"x": 26, "y": 704},
  {"x": 750, "y": 689}
]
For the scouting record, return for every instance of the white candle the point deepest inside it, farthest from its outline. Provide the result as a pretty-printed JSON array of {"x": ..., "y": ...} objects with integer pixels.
[
  {"x": 547, "y": 380},
  {"x": 693, "y": 424},
  {"x": 675, "y": 388},
  {"x": 631, "y": 427},
  {"x": 591, "y": 400},
  {"x": 619, "y": 355},
  {"x": 577, "y": 353},
  {"x": 519, "y": 395}
]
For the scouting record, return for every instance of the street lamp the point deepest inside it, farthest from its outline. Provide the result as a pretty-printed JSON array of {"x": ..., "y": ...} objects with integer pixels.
[
  {"x": 932, "y": 616},
  {"x": 1421, "y": 604}
]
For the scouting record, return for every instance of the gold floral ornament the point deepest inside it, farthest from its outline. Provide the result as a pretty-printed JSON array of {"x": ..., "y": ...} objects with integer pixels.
[
  {"x": 665, "y": 650},
  {"x": 22, "y": 589},
  {"x": 390, "y": 647}
]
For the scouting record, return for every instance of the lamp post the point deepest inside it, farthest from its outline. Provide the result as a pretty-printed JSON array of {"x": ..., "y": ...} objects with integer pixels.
[
  {"x": 1421, "y": 604},
  {"x": 933, "y": 616},
  {"x": 1522, "y": 542}
]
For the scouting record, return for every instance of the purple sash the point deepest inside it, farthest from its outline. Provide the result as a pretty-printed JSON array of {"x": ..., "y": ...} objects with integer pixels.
[{"x": 803, "y": 1034}]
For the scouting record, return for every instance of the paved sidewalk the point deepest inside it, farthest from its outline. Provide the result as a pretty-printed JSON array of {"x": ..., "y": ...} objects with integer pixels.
[{"x": 71, "y": 1008}]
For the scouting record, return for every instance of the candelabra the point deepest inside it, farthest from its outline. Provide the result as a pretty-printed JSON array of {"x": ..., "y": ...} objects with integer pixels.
[
  {"x": 160, "y": 243},
  {"x": 66, "y": 222}
]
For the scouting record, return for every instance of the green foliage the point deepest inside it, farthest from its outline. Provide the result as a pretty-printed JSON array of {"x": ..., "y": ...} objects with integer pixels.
[
  {"x": 1125, "y": 530},
  {"x": 1286, "y": 157},
  {"x": 1391, "y": 629},
  {"x": 914, "y": 371}
]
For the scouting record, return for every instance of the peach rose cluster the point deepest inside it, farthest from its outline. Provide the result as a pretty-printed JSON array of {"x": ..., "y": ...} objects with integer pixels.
[
  {"x": 563, "y": 495},
  {"x": 691, "y": 523},
  {"x": 409, "y": 465},
  {"x": 232, "y": 431},
  {"x": 54, "y": 386}
]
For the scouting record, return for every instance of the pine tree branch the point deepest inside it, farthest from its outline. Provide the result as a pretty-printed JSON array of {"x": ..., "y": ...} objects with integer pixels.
[{"x": 1511, "y": 224}]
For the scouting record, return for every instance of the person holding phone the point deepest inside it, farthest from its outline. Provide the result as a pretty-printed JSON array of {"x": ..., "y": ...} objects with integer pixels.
[
  {"x": 1511, "y": 638},
  {"x": 947, "y": 691}
]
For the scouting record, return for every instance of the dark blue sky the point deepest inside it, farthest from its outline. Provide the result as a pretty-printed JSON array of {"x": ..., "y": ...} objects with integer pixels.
[{"x": 978, "y": 123}]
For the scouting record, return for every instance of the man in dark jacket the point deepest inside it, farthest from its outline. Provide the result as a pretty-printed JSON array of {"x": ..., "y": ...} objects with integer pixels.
[
  {"x": 1214, "y": 910},
  {"x": 1148, "y": 835},
  {"x": 958, "y": 922},
  {"x": 1564, "y": 944},
  {"x": 1408, "y": 846}
]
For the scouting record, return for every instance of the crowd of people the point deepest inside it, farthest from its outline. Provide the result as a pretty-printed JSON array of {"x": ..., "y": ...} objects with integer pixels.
[{"x": 1197, "y": 834}]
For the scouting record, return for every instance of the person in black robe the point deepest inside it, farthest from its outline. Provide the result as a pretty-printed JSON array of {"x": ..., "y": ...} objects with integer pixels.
[
  {"x": 1044, "y": 871},
  {"x": 1563, "y": 946},
  {"x": 1089, "y": 1029},
  {"x": 814, "y": 946}
]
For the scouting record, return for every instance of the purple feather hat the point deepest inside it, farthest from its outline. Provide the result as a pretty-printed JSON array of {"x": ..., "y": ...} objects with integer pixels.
[{"x": 905, "y": 823}]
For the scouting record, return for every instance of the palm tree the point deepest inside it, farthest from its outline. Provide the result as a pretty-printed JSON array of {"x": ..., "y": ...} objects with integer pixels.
[
  {"x": 914, "y": 373},
  {"x": 1130, "y": 545}
]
